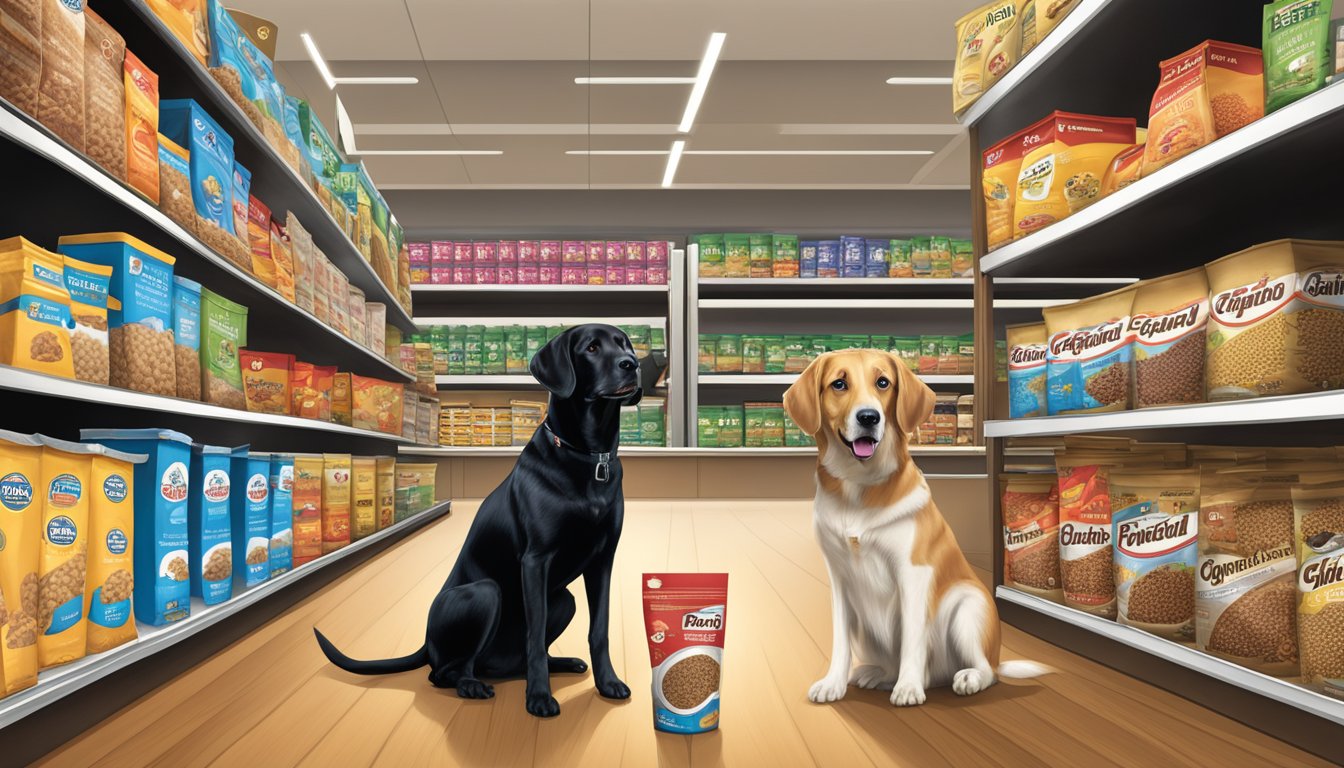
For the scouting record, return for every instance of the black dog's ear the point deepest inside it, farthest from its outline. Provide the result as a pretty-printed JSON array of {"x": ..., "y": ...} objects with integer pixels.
[{"x": 553, "y": 366}]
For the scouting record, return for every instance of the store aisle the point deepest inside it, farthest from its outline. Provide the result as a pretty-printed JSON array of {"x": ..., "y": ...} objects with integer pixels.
[{"x": 273, "y": 700}]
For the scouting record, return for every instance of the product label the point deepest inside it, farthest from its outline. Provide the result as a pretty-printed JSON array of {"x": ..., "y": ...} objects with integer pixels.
[
  {"x": 1088, "y": 368},
  {"x": 173, "y": 485},
  {"x": 216, "y": 484},
  {"x": 1027, "y": 380},
  {"x": 1157, "y": 333},
  {"x": 61, "y": 531},
  {"x": 1154, "y": 557},
  {"x": 115, "y": 488},
  {"x": 16, "y": 493}
]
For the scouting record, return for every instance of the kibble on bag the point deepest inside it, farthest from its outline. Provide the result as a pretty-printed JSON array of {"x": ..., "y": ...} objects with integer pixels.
[
  {"x": 67, "y": 469},
  {"x": 1031, "y": 534},
  {"x": 1155, "y": 530},
  {"x": 174, "y": 176},
  {"x": 685, "y": 621},
  {"x": 88, "y": 285},
  {"x": 20, "y": 53},
  {"x": 1089, "y": 360},
  {"x": 1168, "y": 324},
  {"x": 209, "y": 519},
  {"x": 104, "y": 95},
  {"x": 250, "y": 511},
  {"x": 110, "y": 579},
  {"x": 307, "y": 507},
  {"x": 1318, "y": 518},
  {"x": 60, "y": 94},
  {"x": 21, "y": 527},
  {"x": 34, "y": 309},
  {"x": 282, "y": 511},
  {"x": 142, "y": 129}
]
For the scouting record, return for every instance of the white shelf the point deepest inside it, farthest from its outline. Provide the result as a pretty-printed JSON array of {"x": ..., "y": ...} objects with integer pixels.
[
  {"x": 655, "y": 451},
  {"x": 55, "y": 684},
  {"x": 839, "y": 305},
  {"x": 26, "y": 134},
  {"x": 1319, "y": 406},
  {"x": 744, "y": 379},
  {"x": 836, "y": 282},
  {"x": 485, "y": 381},
  {"x": 548, "y": 288},
  {"x": 1270, "y": 687},
  {"x": 1267, "y": 131},
  {"x": 495, "y": 322},
  {"x": 42, "y": 385}
]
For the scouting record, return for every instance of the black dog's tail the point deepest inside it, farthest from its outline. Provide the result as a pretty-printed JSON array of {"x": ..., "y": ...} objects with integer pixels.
[{"x": 377, "y": 667}]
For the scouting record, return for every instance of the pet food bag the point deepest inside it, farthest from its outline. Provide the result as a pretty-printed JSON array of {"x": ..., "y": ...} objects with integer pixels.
[
  {"x": 1168, "y": 323},
  {"x": 104, "y": 95},
  {"x": 60, "y": 91},
  {"x": 1089, "y": 359},
  {"x": 20, "y": 54},
  {"x": 282, "y": 513},
  {"x": 1155, "y": 530},
  {"x": 109, "y": 581},
  {"x": 250, "y": 512},
  {"x": 1061, "y": 173},
  {"x": 1002, "y": 165},
  {"x": 21, "y": 527},
  {"x": 162, "y": 593},
  {"x": 363, "y": 497},
  {"x": 187, "y": 337},
  {"x": 35, "y": 319},
  {"x": 335, "y": 501},
  {"x": 142, "y": 128},
  {"x": 1085, "y": 529},
  {"x": 1276, "y": 320},
  {"x": 223, "y": 334},
  {"x": 1030, "y": 506},
  {"x": 187, "y": 20},
  {"x": 259, "y": 240},
  {"x": 211, "y": 563},
  {"x": 1297, "y": 50},
  {"x": 1318, "y": 522},
  {"x": 306, "y": 512},
  {"x": 1027, "y": 352},
  {"x": 685, "y": 620},
  {"x": 1205, "y": 93},
  {"x": 266, "y": 380},
  {"x": 63, "y": 559},
  {"x": 174, "y": 174},
  {"x": 282, "y": 255},
  {"x": 989, "y": 41},
  {"x": 88, "y": 286},
  {"x": 211, "y": 159},
  {"x": 386, "y": 469}
]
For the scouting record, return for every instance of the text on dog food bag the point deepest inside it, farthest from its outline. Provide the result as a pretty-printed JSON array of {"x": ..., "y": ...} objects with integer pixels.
[
  {"x": 211, "y": 563},
  {"x": 1155, "y": 528},
  {"x": 685, "y": 620},
  {"x": 109, "y": 579}
]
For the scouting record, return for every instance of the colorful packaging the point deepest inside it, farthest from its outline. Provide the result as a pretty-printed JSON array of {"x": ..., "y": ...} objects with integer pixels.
[
  {"x": 968, "y": 74},
  {"x": 784, "y": 256},
  {"x": 1085, "y": 534},
  {"x": 109, "y": 581},
  {"x": 266, "y": 380},
  {"x": 259, "y": 240},
  {"x": 335, "y": 501},
  {"x": 828, "y": 258},
  {"x": 1027, "y": 353},
  {"x": 1090, "y": 357},
  {"x": 1168, "y": 324},
  {"x": 188, "y": 21},
  {"x": 415, "y": 489},
  {"x": 21, "y": 526},
  {"x": 283, "y": 258},
  {"x": 1002, "y": 166},
  {"x": 174, "y": 191},
  {"x": 1155, "y": 527},
  {"x": 223, "y": 334},
  {"x": 1297, "y": 50},
  {"x": 306, "y": 513},
  {"x": 1031, "y": 534},
  {"x": 35, "y": 319},
  {"x": 142, "y": 128},
  {"x": 712, "y": 255},
  {"x": 242, "y": 199},
  {"x": 685, "y": 621},
  {"x": 853, "y": 259},
  {"x": 363, "y": 497},
  {"x": 1318, "y": 520},
  {"x": 210, "y": 523},
  {"x": 250, "y": 511},
  {"x": 807, "y": 259},
  {"x": 66, "y": 472},
  {"x": 1062, "y": 171},
  {"x": 1205, "y": 93},
  {"x": 899, "y": 264},
  {"x": 187, "y": 337},
  {"x": 386, "y": 478},
  {"x": 211, "y": 151}
]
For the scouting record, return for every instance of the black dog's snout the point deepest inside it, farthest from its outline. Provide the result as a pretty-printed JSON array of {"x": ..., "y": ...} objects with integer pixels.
[
  {"x": 628, "y": 364},
  {"x": 868, "y": 417}
]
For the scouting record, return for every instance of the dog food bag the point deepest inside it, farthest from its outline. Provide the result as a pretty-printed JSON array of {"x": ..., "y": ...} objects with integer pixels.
[
  {"x": 266, "y": 380},
  {"x": 109, "y": 579},
  {"x": 712, "y": 255},
  {"x": 335, "y": 501},
  {"x": 60, "y": 91},
  {"x": 142, "y": 128},
  {"x": 211, "y": 150},
  {"x": 20, "y": 56},
  {"x": 187, "y": 337},
  {"x": 1155, "y": 528},
  {"x": 306, "y": 507},
  {"x": 140, "y": 333},
  {"x": 1085, "y": 529},
  {"x": 104, "y": 95},
  {"x": 187, "y": 20},
  {"x": 375, "y": 405},
  {"x": 282, "y": 513},
  {"x": 35, "y": 319},
  {"x": 385, "y": 469},
  {"x": 1205, "y": 93},
  {"x": 1168, "y": 323},
  {"x": 246, "y": 74},
  {"x": 1276, "y": 320},
  {"x": 63, "y": 558},
  {"x": 282, "y": 255},
  {"x": 1031, "y": 534},
  {"x": 1027, "y": 350},
  {"x": 240, "y": 200},
  {"x": 162, "y": 593},
  {"x": 1061, "y": 172},
  {"x": 174, "y": 175},
  {"x": 210, "y": 522},
  {"x": 21, "y": 527},
  {"x": 1002, "y": 165},
  {"x": 250, "y": 515},
  {"x": 685, "y": 616},
  {"x": 363, "y": 497},
  {"x": 1318, "y": 525},
  {"x": 259, "y": 239},
  {"x": 1297, "y": 50},
  {"x": 223, "y": 334},
  {"x": 1089, "y": 360},
  {"x": 88, "y": 286}
]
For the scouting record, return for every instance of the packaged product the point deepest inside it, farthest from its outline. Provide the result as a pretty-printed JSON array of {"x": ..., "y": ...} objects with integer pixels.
[
  {"x": 1245, "y": 594},
  {"x": 963, "y": 258},
  {"x": 1031, "y": 534},
  {"x": 1318, "y": 520},
  {"x": 1205, "y": 93},
  {"x": 355, "y": 311},
  {"x": 187, "y": 337},
  {"x": 340, "y": 399},
  {"x": 21, "y": 527},
  {"x": 338, "y": 288},
  {"x": 104, "y": 95},
  {"x": 301, "y": 247},
  {"x": 968, "y": 74},
  {"x": 174, "y": 180},
  {"x": 1155, "y": 527},
  {"x": 188, "y": 22},
  {"x": 1276, "y": 320},
  {"x": 211, "y": 150},
  {"x": 1089, "y": 360},
  {"x": 1296, "y": 48},
  {"x": 1061, "y": 172},
  {"x": 1002, "y": 165},
  {"x": 223, "y": 334},
  {"x": 940, "y": 257},
  {"x": 685, "y": 618},
  {"x": 142, "y": 128},
  {"x": 921, "y": 257},
  {"x": 728, "y": 354},
  {"x": 386, "y": 475},
  {"x": 1085, "y": 529},
  {"x": 60, "y": 90},
  {"x": 323, "y": 156},
  {"x": 753, "y": 354},
  {"x": 852, "y": 257},
  {"x": 708, "y": 352},
  {"x": 66, "y": 469},
  {"x": 1027, "y": 353},
  {"x": 307, "y": 507},
  {"x": 335, "y": 501},
  {"x": 1049, "y": 13},
  {"x": 266, "y": 380},
  {"x": 109, "y": 581},
  {"x": 245, "y": 73},
  {"x": 88, "y": 286},
  {"x": 21, "y": 53},
  {"x": 737, "y": 255},
  {"x": 259, "y": 239},
  {"x": 282, "y": 513},
  {"x": 211, "y": 523},
  {"x": 415, "y": 489},
  {"x": 807, "y": 259},
  {"x": 876, "y": 254},
  {"x": 712, "y": 258},
  {"x": 1027, "y": 24},
  {"x": 363, "y": 497},
  {"x": 898, "y": 264},
  {"x": 250, "y": 514},
  {"x": 242, "y": 200},
  {"x": 760, "y": 256},
  {"x": 35, "y": 318},
  {"x": 1337, "y": 43},
  {"x": 1167, "y": 323},
  {"x": 140, "y": 332},
  {"x": 784, "y": 256},
  {"x": 1125, "y": 169},
  {"x": 162, "y": 592}
]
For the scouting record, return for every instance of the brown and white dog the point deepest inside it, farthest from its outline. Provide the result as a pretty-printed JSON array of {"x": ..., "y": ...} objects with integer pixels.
[{"x": 903, "y": 597}]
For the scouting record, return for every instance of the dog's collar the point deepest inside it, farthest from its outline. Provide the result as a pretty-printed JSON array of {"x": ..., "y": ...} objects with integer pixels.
[{"x": 602, "y": 472}]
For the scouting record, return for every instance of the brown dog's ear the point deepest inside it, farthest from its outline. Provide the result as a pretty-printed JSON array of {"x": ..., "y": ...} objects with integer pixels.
[
  {"x": 914, "y": 399},
  {"x": 802, "y": 400}
]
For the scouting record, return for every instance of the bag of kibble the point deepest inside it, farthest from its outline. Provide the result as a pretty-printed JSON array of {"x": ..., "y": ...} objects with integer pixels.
[
  {"x": 212, "y": 489},
  {"x": 1089, "y": 360},
  {"x": 1168, "y": 322},
  {"x": 1085, "y": 529},
  {"x": 1297, "y": 49},
  {"x": 34, "y": 309},
  {"x": 282, "y": 511},
  {"x": 1026, "y": 370},
  {"x": 187, "y": 337},
  {"x": 1002, "y": 163},
  {"x": 335, "y": 501},
  {"x": 104, "y": 95},
  {"x": 1155, "y": 530},
  {"x": 109, "y": 580},
  {"x": 1276, "y": 320},
  {"x": 142, "y": 128},
  {"x": 21, "y": 529},
  {"x": 175, "y": 184},
  {"x": 685, "y": 617},
  {"x": 307, "y": 508},
  {"x": 223, "y": 334},
  {"x": 1205, "y": 93},
  {"x": 1031, "y": 534},
  {"x": 1062, "y": 170},
  {"x": 63, "y": 560},
  {"x": 1318, "y": 535}
]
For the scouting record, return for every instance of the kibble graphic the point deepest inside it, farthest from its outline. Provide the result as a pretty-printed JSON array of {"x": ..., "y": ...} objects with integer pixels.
[{"x": 690, "y": 681}]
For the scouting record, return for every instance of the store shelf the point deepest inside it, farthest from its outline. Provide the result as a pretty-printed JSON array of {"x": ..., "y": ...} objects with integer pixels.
[
  {"x": 1185, "y": 656},
  {"x": 784, "y": 379},
  {"x": 301, "y": 325},
  {"x": 487, "y": 381},
  {"x": 1319, "y": 406},
  {"x": 274, "y": 182},
  {"x": 578, "y": 291},
  {"x": 495, "y": 321},
  {"x": 55, "y": 684},
  {"x": 840, "y": 288},
  {"x": 42, "y": 385},
  {"x": 671, "y": 452},
  {"x": 849, "y": 303}
]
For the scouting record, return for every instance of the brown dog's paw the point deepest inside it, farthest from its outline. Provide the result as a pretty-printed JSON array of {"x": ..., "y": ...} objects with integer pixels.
[{"x": 542, "y": 704}]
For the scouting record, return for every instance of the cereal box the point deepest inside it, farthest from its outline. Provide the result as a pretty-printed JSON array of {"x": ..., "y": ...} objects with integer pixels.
[
  {"x": 250, "y": 512},
  {"x": 210, "y": 523}
]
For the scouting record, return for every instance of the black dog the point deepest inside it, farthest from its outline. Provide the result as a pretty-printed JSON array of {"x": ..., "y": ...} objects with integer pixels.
[{"x": 557, "y": 516}]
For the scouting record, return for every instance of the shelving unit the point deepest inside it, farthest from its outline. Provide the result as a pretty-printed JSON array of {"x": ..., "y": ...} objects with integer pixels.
[{"x": 1220, "y": 199}]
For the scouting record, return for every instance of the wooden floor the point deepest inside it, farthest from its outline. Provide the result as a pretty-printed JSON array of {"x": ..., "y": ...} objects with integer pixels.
[{"x": 272, "y": 700}]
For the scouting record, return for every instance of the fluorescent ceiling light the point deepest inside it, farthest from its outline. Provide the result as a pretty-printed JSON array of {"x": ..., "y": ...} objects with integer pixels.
[
  {"x": 919, "y": 81},
  {"x": 673, "y": 158},
  {"x": 333, "y": 81},
  {"x": 615, "y": 152},
  {"x": 757, "y": 152},
  {"x": 634, "y": 80},
  {"x": 516, "y": 129},
  {"x": 707, "y": 63},
  {"x": 426, "y": 152},
  {"x": 377, "y": 80}
]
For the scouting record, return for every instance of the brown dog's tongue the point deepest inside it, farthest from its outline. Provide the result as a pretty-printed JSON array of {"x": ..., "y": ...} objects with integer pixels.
[{"x": 864, "y": 447}]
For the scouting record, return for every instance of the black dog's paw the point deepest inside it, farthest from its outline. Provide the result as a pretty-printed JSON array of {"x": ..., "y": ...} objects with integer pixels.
[
  {"x": 542, "y": 704},
  {"x": 613, "y": 688},
  {"x": 568, "y": 664},
  {"x": 471, "y": 688}
]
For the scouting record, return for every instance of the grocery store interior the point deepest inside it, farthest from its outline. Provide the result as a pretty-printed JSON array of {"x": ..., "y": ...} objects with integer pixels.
[{"x": 763, "y": 352}]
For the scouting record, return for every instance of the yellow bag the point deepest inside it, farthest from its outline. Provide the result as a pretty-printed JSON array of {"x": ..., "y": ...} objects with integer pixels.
[
  {"x": 20, "y": 529},
  {"x": 969, "y": 72},
  {"x": 335, "y": 501},
  {"x": 1002, "y": 164},
  {"x": 364, "y": 497},
  {"x": 107, "y": 592},
  {"x": 1062, "y": 174},
  {"x": 35, "y": 319},
  {"x": 63, "y": 560},
  {"x": 387, "y": 491},
  {"x": 186, "y": 19}
]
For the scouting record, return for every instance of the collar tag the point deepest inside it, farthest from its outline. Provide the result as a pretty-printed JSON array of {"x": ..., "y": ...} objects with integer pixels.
[{"x": 602, "y": 472}]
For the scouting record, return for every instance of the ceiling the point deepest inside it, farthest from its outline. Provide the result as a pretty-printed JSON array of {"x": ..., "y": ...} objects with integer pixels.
[{"x": 794, "y": 75}]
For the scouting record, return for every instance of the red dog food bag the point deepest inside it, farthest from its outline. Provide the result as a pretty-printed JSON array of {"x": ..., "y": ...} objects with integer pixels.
[{"x": 685, "y": 617}]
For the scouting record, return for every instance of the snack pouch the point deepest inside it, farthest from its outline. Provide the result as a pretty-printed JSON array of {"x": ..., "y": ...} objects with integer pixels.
[
  {"x": 685, "y": 621},
  {"x": 109, "y": 581},
  {"x": 266, "y": 380},
  {"x": 259, "y": 238},
  {"x": 142, "y": 128},
  {"x": 21, "y": 507},
  {"x": 35, "y": 318},
  {"x": 363, "y": 497},
  {"x": 1205, "y": 93},
  {"x": 1089, "y": 360},
  {"x": 282, "y": 256},
  {"x": 242, "y": 197},
  {"x": 1061, "y": 174},
  {"x": 1296, "y": 49},
  {"x": 282, "y": 513},
  {"x": 250, "y": 513},
  {"x": 63, "y": 558},
  {"x": 1155, "y": 530},
  {"x": 968, "y": 74},
  {"x": 1027, "y": 353},
  {"x": 335, "y": 501},
  {"x": 307, "y": 508},
  {"x": 230, "y": 48},
  {"x": 211, "y": 158},
  {"x": 223, "y": 334},
  {"x": 211, "y": 523},
  {"x": 1002, "y": 166}
]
